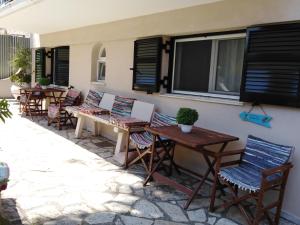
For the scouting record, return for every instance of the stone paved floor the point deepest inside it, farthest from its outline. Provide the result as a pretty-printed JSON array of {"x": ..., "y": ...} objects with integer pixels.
[{"x": 59, "y": 180}]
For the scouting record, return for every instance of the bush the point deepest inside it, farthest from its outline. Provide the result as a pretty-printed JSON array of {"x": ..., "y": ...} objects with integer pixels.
[
  {"x": 187, "y": 116},
  {"x": 44, "y": 81},
  {"x": 20, "y": 78}
]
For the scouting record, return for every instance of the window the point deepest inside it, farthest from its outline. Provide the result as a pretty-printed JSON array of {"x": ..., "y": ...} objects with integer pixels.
[
  {"x": 60, "y": 65},
  {"x": 101, "y": 67},
  {"x": 209, "y": 66}
]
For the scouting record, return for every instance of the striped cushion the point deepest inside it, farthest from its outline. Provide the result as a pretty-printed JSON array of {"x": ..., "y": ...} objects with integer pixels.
[
  {"x": 259, "y": 155},
  {"x": 93, "y": 98},
  {"x": 122, "y": 106},
  {"x": 160, "y": 120},
  {"x": 142, "y": 140},
  {"x": 71, "y": 97},
  {"x": 53, "y": 111}
]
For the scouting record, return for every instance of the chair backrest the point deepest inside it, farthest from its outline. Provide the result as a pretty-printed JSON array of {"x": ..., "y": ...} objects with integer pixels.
[
  {"x": 261, "y": 154},
  {"x": 159, "y": 120},
  {"x": 122, "y": 106},
  {"x": 142, "y": 110},
  {"x": 93, "y": 98},
  {"x": 71, "y": 97},
  {"x": 107, "y": 101}
]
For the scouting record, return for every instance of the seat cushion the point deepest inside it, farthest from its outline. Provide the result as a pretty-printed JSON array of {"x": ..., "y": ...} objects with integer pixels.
[
  {"x": 244, "y": 176},
  {"x": 53, "y": 111},
  {"x": 142, "y": 140},
  {"x": 122, "y": 106},
  {"x": 93, "y": 98},
  {"x": 71, "y": 97}
]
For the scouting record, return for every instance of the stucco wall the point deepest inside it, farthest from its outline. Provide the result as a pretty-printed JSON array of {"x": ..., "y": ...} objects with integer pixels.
[
  {"x": 118, "y": 39},
  {"x": 5, "y": 88}
]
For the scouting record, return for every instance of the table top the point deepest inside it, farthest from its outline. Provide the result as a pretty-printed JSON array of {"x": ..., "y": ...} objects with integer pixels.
[
  {"x": 50, "y": 89},
  {"x": 198, "y": 138}
]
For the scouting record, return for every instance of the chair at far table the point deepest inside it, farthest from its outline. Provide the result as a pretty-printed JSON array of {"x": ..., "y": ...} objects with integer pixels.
[
  {"x": 142, "y": 141},
  {"x": 263, "y": 166},
  {"x": 57, "y": 111},
  {"x": 31, "y": 102}
]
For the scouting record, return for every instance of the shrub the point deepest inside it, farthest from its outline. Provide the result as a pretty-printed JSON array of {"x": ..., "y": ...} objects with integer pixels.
[
  {"x": 187, "y": 116},
  {"x": 44, "y": 81}
]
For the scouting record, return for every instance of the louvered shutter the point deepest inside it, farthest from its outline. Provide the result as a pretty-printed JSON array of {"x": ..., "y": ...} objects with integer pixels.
[
  {"x": 147, "y": 65},
  {"x": 40, "y": 63},
  {"x": 61, "y": 66},
  {"x": 271, "y": 71}
]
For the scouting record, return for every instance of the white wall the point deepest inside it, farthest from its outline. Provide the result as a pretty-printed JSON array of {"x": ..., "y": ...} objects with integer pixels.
[
  {"x": 118, "y": 38},
  {"x": 5, "y": 85}
]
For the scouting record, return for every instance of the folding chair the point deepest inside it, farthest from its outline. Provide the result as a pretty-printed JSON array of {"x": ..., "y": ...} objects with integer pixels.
[
  {"x": 31, "y": 103},
  {"x": 263, "y": 166},
  {"x": 142, "y": 141},
  {"x": 57, "y": 112}
]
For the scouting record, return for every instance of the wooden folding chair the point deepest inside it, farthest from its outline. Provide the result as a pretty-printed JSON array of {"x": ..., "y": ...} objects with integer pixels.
[
  {"x": 57, "y": 112},
  {"x": 31, "y": 103},
  {"x": 263, "y": 166},
  {"x": 142, "y": 141}
]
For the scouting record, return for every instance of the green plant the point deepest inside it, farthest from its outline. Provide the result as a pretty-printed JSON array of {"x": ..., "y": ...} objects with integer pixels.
[
  {"x": 4, "y": 110},
  {"x": 22, "y": 66},
  {"x": 187, "y": 116},
  {"x": 44, "y": 81}
]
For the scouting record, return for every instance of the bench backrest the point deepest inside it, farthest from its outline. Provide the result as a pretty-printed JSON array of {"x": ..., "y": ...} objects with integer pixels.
[
  {"x": 107, "y": 101},
  {"x": 142, "y": 110},
  {"x": 122, "y": 106},
  {"x": 159, "y": 120}
]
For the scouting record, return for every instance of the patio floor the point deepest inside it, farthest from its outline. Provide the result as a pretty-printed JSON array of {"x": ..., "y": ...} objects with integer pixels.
[{"x": 57, "y": 179}]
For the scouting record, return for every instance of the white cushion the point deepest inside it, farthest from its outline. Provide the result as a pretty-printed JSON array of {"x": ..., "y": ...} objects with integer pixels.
[
  {"x": 107, "y": 101},
  {"x": 142, "y": 110}
]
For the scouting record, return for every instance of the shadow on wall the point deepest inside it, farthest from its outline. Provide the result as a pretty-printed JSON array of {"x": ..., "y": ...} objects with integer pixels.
[{"x": 5, "y": 85}]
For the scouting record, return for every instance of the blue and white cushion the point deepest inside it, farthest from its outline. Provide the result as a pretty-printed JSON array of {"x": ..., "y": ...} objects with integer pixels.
[
  {"x": 122, "y": 106},
  {"x": 259, "y": 155}
]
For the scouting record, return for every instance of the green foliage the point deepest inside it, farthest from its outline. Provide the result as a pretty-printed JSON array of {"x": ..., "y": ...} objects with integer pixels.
[
  {"x": 22, "y": 65},
  {"x": 4, "y": 111},
  {"x": 20, "y": 78},
  {"x": 44, "y": 81},
  {"x": 187, "y": 116}
]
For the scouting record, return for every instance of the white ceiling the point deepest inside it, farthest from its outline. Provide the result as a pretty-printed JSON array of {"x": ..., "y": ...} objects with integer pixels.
[{"x": 47, "y": 16}]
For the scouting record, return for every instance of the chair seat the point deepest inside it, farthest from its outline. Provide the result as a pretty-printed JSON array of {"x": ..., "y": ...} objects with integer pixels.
[
  {"x": 53, "y": 111},
  {"x": 244, "y": 176},
  {"x": 142, "y": 140}
]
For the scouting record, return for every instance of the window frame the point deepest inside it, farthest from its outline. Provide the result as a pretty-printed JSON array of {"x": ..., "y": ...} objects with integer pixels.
[
  {"x": 101, "y": 60},
  {"x": 213, "y": 64}
]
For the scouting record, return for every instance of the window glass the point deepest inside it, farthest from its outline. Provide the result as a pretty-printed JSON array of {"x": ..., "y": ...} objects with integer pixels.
[
  {"x": 192, "y": 65},
  {"x": 101, "y": 70},
  {"x": 229, "y": 65}
]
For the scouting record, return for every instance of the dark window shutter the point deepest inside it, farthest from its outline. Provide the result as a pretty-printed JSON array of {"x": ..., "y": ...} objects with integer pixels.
[
  {"x": 61, "y": 66},
  {"x": 147, "y": 65},
  {"x": 271, "y": 71},
  {"x": 40, "y": 63}
]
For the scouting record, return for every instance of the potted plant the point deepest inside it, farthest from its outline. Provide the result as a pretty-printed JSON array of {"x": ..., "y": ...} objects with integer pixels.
[
  {"x": 44, "y": 82},
  {"x": 186, "y": 118},
  {"x": 21, "y": 64},
  {"x": 4, "y": 110}
]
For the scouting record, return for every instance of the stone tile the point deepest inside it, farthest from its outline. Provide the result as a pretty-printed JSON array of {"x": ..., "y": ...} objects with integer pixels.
[
  {"x": 197, "y": 215},
  {"x": 173, "y": 211},
  {"x": 126, "y": 199},
  {"x": 130, "y": 220},
  {"x": 224, "y": 221},
  {"x": 65, "y": 221},
  {"x": 118, "y": 207},
  {"x": 100, "y": 218},
  {"x": 144, "y": 208},
  {"x": 165, "y": 222},
  {"x": 211, "y": 220}
]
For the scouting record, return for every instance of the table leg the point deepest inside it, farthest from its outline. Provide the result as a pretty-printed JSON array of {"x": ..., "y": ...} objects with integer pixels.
[{"x": 79, "y": 126}]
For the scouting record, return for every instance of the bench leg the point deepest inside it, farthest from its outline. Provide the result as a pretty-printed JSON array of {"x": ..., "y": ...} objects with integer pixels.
[
  {"x": 79, "y": 126},
  {"x": 121, "y": 147}
]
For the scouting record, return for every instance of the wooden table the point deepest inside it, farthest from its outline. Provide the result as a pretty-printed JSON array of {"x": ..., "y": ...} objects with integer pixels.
[
  {"x": 52, "y": 93},
  {"x": 197, "y": 141}
]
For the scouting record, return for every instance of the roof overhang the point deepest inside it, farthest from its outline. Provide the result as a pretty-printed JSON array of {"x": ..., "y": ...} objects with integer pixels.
[{"x": 48, "y": 16}]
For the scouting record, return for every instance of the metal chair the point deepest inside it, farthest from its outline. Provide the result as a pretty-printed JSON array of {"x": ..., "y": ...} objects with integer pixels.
[{"x": 263, "y": 166}]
